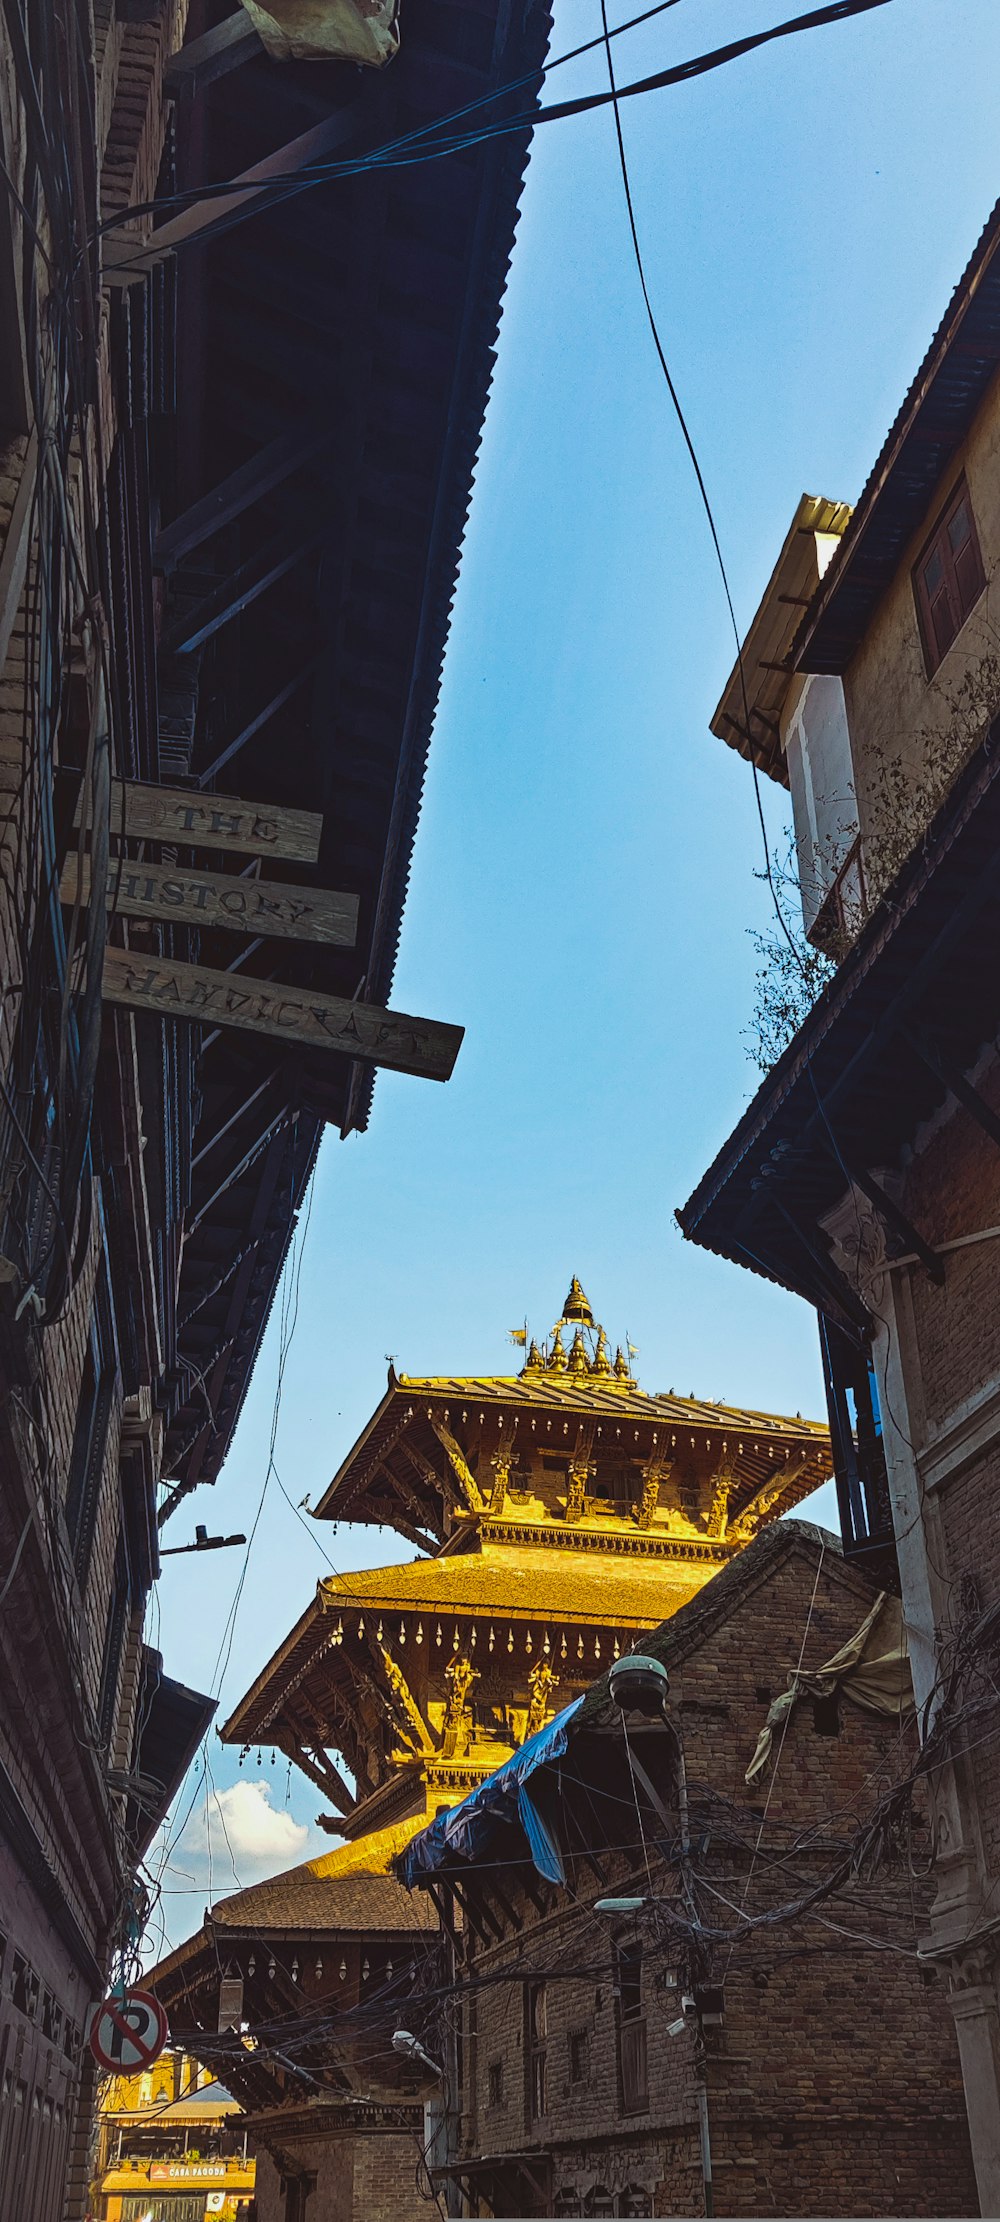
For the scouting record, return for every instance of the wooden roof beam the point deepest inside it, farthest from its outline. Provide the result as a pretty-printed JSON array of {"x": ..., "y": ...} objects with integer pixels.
[
  {"x": 241, "y": 589},
  {"x": 236, "y": 494},
  {"x": 415, "y": 1504},
  {"x": 126, "y": 259},
  {"x": 204, "y": 60},
  {"x": 767, "y": 1496},
  {"x": 319, "y": 1768},
  {"x": 444, "y": 1485}
]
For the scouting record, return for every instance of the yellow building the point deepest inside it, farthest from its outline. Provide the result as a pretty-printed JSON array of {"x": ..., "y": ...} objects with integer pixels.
[
  {"x": 172, "y": 2147},
  {"x": 559, "y": 1513}
]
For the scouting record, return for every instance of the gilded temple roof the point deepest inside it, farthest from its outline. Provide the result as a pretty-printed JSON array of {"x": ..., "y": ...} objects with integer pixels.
[
  {"x": 559, "y": 1392},
  {"x": 499, "y": 1584}
]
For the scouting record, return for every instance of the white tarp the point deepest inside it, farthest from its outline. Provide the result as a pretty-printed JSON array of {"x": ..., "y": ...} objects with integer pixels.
[{"x": 872, "y": 1670}]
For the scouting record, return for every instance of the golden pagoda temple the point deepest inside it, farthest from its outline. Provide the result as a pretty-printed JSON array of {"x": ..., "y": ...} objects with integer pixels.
[{"x": 558, "y": 1514}]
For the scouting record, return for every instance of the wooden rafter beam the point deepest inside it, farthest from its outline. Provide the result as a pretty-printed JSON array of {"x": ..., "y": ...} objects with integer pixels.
[
  {"x": 442, "y": 1485},
  {"x": 126, "y": 259},
  {"x": 241, "y": 589},
  {"x": 236, "y": 494},
  {"x": 768, "y": 1495},
  {"x": 951, "y": 1076},
  {"x": 410, "y": 1497},
  {"x": 228, "y": 1118},
  {"x": 203, "y": 60},
  {"x": 241, "y": 1166},
  {"x": 315, "y": 1763}
]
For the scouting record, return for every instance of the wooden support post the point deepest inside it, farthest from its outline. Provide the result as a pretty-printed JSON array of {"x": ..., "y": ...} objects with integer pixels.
[{"x": 459, "y": 1465}]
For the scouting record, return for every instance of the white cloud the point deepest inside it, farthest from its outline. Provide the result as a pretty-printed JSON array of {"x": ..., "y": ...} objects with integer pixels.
[{"x": 238, "y": 1827}]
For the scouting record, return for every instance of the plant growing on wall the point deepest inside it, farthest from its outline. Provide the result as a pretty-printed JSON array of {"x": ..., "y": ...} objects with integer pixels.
[{"x": 790, "y": 973}]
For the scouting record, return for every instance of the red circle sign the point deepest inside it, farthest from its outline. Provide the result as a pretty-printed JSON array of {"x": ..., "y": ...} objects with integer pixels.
[{"x": 128, "y": 2033}]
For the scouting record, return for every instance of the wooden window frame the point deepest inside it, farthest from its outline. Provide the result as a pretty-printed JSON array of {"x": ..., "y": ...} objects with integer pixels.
[
  {"x": 535, "y": 2054},
  {"x": 633, "y": 2059},
  {"x": 961, "y": 602}
]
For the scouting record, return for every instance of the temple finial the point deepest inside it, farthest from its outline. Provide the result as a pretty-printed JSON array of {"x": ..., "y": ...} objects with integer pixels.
[
  {"x": 578, "y": 1360},
  {"x": 576, "y": 1306},
  {"x": 533, "y": 1361},
  {"x": 601, "y": 1362},
  {"x": 622, "y": 1369},
  {"x": 557, "y": 1355}
]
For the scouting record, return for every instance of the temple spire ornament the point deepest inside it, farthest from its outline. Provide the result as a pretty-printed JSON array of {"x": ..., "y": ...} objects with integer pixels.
[
  {"x": 579, "y": 1363},
  {"x": 601, "y": 1365},
  {"x": 557, "y": 1355},
  {"x": 576, "y": 1306}
]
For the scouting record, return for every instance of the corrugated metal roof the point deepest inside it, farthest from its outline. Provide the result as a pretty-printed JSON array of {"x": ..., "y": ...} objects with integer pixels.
[{"x": 959, "y": 366}]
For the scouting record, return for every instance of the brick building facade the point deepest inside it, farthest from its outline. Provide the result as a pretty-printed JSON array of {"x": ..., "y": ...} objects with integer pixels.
[
  {"x": 705, "y": 2042},
  {"x": 866, "y": 1174},
  {"x": 93, "y": 1735}
]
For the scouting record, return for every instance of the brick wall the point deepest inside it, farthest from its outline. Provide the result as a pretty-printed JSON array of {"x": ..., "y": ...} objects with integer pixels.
[
  {"x": 833, "y": 2085},
  {"x": 368, "y": 2177}
]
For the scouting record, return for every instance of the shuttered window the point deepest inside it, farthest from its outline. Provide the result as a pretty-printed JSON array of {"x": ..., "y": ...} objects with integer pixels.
[{"x": 949, "y": 577}]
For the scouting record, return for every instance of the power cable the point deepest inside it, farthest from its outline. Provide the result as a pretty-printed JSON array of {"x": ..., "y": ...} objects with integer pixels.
[{"x": 395, "y": 153}]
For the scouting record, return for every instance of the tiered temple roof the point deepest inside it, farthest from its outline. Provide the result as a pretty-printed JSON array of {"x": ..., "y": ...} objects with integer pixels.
[{"x": 559, "y": 1514}]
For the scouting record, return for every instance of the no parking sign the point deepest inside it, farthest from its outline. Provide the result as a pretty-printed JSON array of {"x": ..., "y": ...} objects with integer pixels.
[{"x": 127, "y": 2033}]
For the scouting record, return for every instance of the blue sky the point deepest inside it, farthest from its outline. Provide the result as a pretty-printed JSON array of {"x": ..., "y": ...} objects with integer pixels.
[{"x": 584, "y": 878}]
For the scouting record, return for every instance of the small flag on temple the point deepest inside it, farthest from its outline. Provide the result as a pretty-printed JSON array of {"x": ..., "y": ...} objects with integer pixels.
[{"x": 520, "y": 1336}]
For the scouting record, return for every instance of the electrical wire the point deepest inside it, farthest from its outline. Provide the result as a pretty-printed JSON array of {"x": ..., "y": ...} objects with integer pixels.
[{"x": 421, "y": 146}]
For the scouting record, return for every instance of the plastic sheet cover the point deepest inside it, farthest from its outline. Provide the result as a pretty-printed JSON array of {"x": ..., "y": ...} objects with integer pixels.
[{"x": 463, "y": 1833}]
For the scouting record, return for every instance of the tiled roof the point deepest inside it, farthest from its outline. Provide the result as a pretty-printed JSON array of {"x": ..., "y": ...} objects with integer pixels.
[
  {"x": 933, "y": 420},
  {"x": 528, "y": 1584},
  {"x": 585, "y": 1398},
  {"x": 503, "y": 1581},
  {"x": 345, "y": 1891},
  {"x": 557, "y": 1392}
]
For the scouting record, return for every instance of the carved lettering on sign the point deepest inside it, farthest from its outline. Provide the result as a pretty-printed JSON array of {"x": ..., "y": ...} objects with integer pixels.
[
  {"x": 195, "y": 821},
  {"x": 261, "y": 907},
  {"x": 176, "y": 990}
]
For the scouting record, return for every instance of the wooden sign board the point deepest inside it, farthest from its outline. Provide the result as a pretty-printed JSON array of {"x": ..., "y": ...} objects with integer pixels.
[
  {"x": 173, "y": 990},
  {"x": 265, "y": 907},
  {"x": 195, "y": 821}
]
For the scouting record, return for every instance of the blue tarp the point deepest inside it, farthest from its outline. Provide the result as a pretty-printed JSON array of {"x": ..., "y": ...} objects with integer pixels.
[{"x": 462, "y": 1833}]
